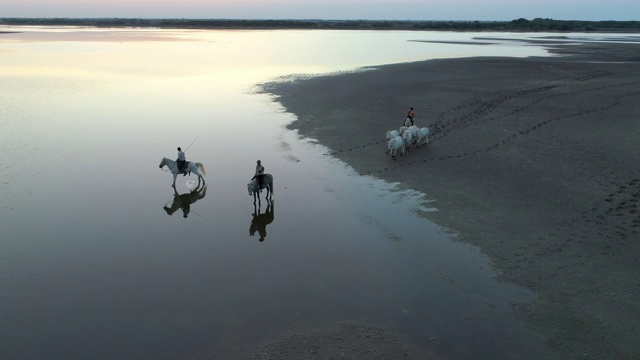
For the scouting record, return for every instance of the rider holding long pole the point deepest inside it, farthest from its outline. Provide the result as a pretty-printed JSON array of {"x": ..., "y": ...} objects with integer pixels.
[{"x": 182, "y": 160}]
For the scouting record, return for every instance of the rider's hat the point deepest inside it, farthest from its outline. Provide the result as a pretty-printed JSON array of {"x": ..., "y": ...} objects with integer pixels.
[{"x": 258, "y": 161}]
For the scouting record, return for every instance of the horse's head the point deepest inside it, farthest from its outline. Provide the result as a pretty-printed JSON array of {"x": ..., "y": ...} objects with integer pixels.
[
  {"x": 163, "y": 162},
  {"x": 251, "y": 188}
]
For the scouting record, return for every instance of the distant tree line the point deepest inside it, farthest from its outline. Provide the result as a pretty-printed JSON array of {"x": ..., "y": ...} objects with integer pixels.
[
  {"x": 521, "y": 24},
  {"x": 540, "y": 24}
]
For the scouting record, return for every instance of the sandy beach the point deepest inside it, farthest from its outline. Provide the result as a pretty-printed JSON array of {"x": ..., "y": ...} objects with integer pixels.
[{"x": 534, "y": 160}]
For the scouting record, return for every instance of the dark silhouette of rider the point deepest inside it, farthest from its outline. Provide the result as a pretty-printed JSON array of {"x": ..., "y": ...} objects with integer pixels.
[
  {"x": 181, "y": 161},
  {"x": 259, "y": 221},
  {"x": 259, "y": 174},
  {"x": 184, "y": 201}
]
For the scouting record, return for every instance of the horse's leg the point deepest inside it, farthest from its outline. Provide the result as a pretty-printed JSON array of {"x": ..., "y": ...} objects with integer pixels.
[{"x": 174, "y": 180}]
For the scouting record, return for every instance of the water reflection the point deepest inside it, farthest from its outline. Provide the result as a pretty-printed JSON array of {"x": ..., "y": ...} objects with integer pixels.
[
  {"x": 260, "y": 221},
  {"x": 184, "y": 201}
]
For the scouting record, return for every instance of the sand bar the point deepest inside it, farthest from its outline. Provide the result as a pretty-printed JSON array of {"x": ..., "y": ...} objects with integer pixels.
[{"x": 534, "y": 160}]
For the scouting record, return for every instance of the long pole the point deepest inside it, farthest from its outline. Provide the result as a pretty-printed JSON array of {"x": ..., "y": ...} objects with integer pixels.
[{"x": 191, "y": 143}]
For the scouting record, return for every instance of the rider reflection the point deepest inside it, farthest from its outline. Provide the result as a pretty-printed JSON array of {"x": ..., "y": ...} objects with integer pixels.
[
  {"x": 184, "y": 201},
  {"x": 260, "y": 221}
]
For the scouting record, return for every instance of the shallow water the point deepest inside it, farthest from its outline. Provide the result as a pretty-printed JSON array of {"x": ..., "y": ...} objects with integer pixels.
[{"x": 93, "y": 266}]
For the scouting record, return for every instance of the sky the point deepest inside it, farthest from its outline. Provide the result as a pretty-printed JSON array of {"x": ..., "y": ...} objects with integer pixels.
[{"x": 483, "y": 10}]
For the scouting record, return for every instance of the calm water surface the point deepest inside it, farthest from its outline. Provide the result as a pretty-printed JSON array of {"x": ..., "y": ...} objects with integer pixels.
[{"x": 96, "y": 264}]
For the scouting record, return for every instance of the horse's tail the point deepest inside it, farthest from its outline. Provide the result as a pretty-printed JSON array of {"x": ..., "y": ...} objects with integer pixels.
[{"x": 201, "y": 167}]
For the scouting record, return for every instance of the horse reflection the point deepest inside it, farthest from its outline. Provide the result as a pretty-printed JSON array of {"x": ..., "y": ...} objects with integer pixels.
[
  {"x": 259, "y": 221},
  {"x": 184, "y": 201}
]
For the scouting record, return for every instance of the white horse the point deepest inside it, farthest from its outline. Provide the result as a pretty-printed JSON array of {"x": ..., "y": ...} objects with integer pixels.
[
  {"x": 414, "y": 131},
  {"x": 391, "y": 134},
  {"x": 411, "y": 128},
  {"x": 267, "y": 183},
  {"x": 408, "y": 138},
  {"x": 394, "y": 145},
  {"x": 408, "y": 122},
  {"x": 191, "y": 167},
  {"x": 423, "y": 136}
]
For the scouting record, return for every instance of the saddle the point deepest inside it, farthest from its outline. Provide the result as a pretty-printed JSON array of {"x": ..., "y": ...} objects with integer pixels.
[{"x": 183, "y": 168}]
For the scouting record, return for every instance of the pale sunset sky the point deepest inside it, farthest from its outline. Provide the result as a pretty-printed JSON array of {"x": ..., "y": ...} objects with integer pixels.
[{"x": 328, "y": 9}]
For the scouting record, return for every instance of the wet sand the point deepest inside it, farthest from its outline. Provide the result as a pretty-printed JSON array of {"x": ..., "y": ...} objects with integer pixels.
[{"x": 535, "y": 160}]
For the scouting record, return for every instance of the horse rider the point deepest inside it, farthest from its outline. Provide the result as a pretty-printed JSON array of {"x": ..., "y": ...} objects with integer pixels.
[
  {"x": 259, "y": 174},
  {"x": 182, "y": 161},
  {"x": 410, "y": 115}
]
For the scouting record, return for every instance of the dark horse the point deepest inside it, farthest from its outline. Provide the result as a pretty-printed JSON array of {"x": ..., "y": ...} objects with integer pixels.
[
  {"x": 267, "y": 183},
  {"x": 184, "y": 201},
  {"x": 259, "y": 221}
]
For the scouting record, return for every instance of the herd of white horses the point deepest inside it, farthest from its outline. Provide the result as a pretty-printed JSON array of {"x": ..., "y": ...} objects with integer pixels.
[{"x": 407, "y": 136}]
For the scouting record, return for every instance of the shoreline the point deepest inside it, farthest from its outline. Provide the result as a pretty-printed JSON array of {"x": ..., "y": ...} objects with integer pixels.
[{"x": 534, "y": 160}]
